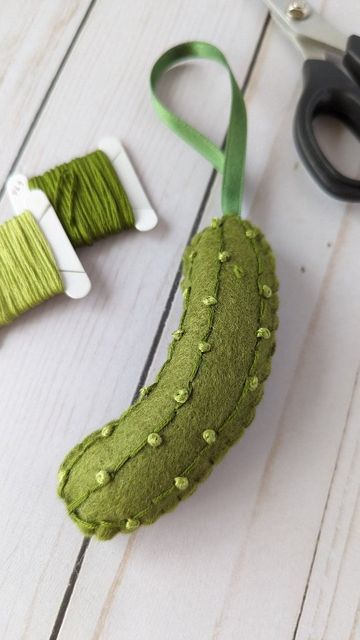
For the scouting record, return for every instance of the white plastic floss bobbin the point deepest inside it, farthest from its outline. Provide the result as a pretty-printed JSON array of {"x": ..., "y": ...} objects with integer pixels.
[
  {"x": 76, "y": 282},
  {"x": 145, "y": 216}
]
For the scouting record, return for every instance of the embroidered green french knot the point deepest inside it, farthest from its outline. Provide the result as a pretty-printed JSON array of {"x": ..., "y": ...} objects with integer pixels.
[
  {"x": 132, "y": 524},
  {"x": 103, "y": 477},
  {"x": 181, "y": 396},
  {"x": 253, "y": 383},
  {"x": 266, "y": 291},
  {"x": 209, "y": 436},
  {"x": 263, "y": 332},
  {"x": 209, "y": 301},
  {"x": 204, "y": 347},
  {"x": 216, "y": 223},
  {"x": 107, "y": 430},
  {"x": 251, "y": 233},
  {"x": 177, "y": 335},
  {"x": 224, "y": 256},
  {"x": 181, "y": 483},
  {"x": 154, "y": 439}
]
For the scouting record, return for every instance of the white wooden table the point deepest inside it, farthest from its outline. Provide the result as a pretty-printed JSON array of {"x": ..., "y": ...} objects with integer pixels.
[{"x": 268, "y": 547}]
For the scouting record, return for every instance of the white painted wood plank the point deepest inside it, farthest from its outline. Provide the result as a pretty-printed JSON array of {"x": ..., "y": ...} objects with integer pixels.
[
  {"x": 34, "y": 38},
  {"x": 233, "y": 561},
  {"x": 332, "y": 604},
  {"x": 271, "y": 569},
  {"x": 68, "y": 367}
]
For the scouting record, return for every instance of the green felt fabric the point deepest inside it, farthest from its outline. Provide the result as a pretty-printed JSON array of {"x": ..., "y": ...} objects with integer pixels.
[{"x": 203, "y": 398}]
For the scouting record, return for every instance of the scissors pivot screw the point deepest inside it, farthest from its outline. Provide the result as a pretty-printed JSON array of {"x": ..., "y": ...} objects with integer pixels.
[{"x": 298, "y": 10}]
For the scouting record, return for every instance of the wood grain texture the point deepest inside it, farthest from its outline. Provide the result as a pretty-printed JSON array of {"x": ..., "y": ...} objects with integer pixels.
[
  {"x": 35, "y": 38},
  {"x": 331, "y": 608},
  {"x": 237, "y": 560},
  {"x": 68, "y": 367},
  {"x": 268, "y": 547}
]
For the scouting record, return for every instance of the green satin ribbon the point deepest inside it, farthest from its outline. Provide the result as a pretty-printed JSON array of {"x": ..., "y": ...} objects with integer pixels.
[{"x": 231, "y": 162}]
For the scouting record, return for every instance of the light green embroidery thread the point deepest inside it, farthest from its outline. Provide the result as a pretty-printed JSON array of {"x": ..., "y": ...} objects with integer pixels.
[{"x": 28, "y": 272}]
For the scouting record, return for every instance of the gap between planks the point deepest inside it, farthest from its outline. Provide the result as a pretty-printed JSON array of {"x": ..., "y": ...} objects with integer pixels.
[{"x": 168, "y": 305}]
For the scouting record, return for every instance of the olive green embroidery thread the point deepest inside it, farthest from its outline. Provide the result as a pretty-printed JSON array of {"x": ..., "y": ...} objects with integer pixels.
[{"x": 88, "y": 198}]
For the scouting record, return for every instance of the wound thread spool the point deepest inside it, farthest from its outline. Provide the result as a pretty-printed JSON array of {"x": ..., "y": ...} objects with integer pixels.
[
  {"x": 28, "y": 272},
  {"x": 88, "y": 198},
  {"x": 89, "y": 201}
]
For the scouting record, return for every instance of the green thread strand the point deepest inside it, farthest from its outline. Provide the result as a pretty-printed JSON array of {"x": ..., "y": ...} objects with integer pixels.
[
  {"x": 28, "y": 272},
  {"x": 88, "y": 198}
]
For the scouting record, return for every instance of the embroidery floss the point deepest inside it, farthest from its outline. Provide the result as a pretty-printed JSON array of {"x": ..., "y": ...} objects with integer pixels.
[
  {"x": 28, "y": 272},
  {"x": 89, "y": 201},
  {"x": 88, "y": 198}
]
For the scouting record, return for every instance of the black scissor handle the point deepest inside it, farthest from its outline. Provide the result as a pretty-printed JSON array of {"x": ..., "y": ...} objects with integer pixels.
[{"x": 329, "y": 90}]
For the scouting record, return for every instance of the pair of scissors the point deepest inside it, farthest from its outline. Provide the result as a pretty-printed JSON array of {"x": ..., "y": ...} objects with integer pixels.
[{"x": 331, "y": 86}]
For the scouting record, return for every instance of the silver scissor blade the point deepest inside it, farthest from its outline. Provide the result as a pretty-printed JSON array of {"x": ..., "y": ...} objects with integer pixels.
[{"x": 313, "y": 35}]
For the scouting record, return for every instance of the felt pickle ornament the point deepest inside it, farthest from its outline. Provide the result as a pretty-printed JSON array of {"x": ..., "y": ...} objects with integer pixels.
[{"x": 142, "y": 464}]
